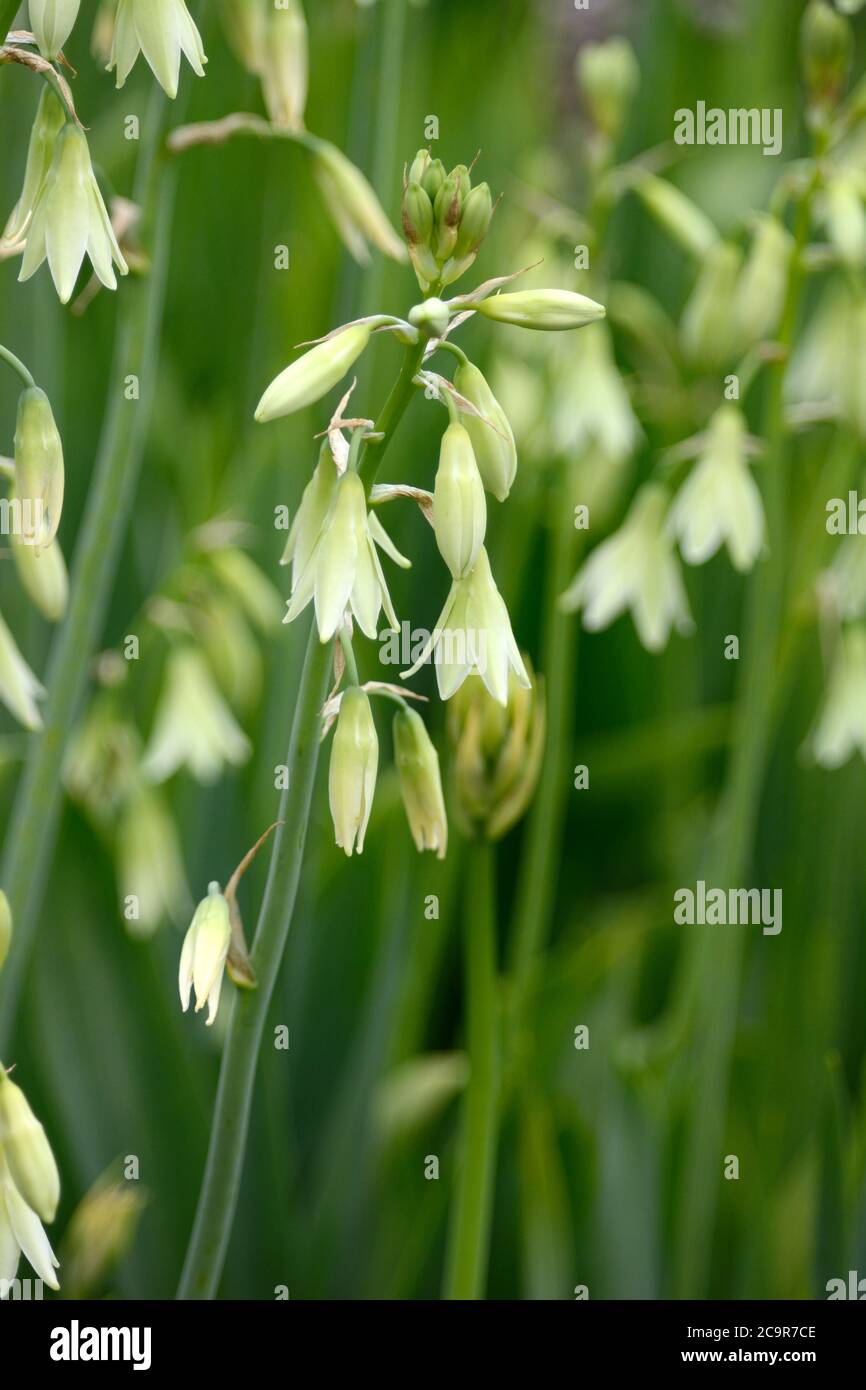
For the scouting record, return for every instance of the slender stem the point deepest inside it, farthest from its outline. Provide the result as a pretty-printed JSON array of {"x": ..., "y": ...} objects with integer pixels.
[
  {"x": 717, "y": 961},
  {"x": 219, "y": 1194},
  {"x": 349, "y": 654},
  {"x": 391, "y": 415},
  {"x": 17, "y": 365},
  {"x": 469, "y": 1235},
  {"x": 30, "y": 839}
]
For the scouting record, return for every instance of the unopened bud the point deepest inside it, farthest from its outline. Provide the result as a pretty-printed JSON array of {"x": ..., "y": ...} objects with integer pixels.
[
  {"x": 52, "y": 22},
  {"x": 475, "y": 221},
  {"x": 39, "y": 472},
  {"x": 203, "y": 957},
  {"x": 417, "y": 215},
  {"x": 353, "y": 769},
  {"x": 420, "y": 782},
  {"x": 285, "y": 71},
  {"x": 27, "y": 1151},
  {"x": 42, "y": 571},
  {"x": 493, "y": 442},
  {"x": 608, "y": 77},
  {"x": 447, "y": 209},
  {"x": 312, "y": 376},
  {"x": 459, "y": 504},
  {"x": 548, "y": 310},
  {"x": 433, "y": 178}
]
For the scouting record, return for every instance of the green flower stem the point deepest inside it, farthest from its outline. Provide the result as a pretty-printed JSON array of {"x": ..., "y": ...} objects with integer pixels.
[
  {"x": 718, "y": 958},
  {"x": 391, "y": 415},
  {"x": 30, "y": 839},
  {"x": 468, "y": 1249},
  {"x": 219, "y": 1193},
  {"x": 17, "y": 365}
]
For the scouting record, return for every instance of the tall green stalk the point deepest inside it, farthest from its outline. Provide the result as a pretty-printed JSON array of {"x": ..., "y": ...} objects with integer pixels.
[
  {"x": 218, "y": 1197},
  {"x": 719, "y": 957},
  {"x": 469, "y": 1235},
  {"x": 30, "y": 840}
]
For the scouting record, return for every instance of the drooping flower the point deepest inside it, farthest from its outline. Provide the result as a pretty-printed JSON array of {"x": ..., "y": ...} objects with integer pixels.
[
  {"x": 285, "y": 66},
  {"x": 720, "y": 502},
  {"x": 204, "y": 952},
  {"x": 592, "y": 412},
  {"x": 473, "y": 633},
  {"x": 459, "y": 504},
  {"x": 43, "y": 575},
  {"x": 634, "y": 569},
  {"x": 22, "y": 1233},
  {"x": 708, "y": 327},
  {"x": 162, "y": 30},
  {"x": 420, "y": 782},
  {"x": 343, "y": 570},
  {"x": 311, "y": 516},
  {"x": 840, "y": 729},
  {"x": 194, "y": 727},
  {"x": 19, "y": 688},
  {"x": 49, "y": 121},
  {"x": 763, "y": 283},
  {"x": 149, "y": 862},
  {"x": 40, "y": 478},
  {"x": 353, "y": 768},
  {"x": 70, "y": 220}
]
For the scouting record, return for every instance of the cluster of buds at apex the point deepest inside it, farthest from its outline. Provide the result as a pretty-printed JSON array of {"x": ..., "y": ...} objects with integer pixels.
[
  {"x": 353, "y": 768},
  {"x": 5, "y": 927},
  {"x": 445, "y": 219},
  {"x": 162, "y": 30},
  {"x": 52, "y": 22},
  {"x": 39, "y": 470},
  {"x": 343, "y": 569},
  {"x": 70, "y": 220},
  {"x": 826, "y": 49},
  {"x": 29, "y": 1188},
  {"x": 313, "y": 375},
  {"x": 497, "y": 751},
  {"x": 203, "y": 957},
  {"x": 459, "y": 504},
  {"x": 550, "y": 311},
  {"x": 492, "y": 437},
  {"x": 420, "y": 782}
]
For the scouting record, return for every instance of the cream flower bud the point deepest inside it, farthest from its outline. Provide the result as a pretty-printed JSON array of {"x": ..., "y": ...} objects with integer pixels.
[
  {"x": 245, "y": 23},
  {"x": 763, "y": 284},
  {"x": 354, "y": 208},
  {"x": 285, "y": 70},
  {"x": 708, "y": 326},
  {"x": 494, "y": 446},
  {"x": 49, "y": 121},
  {"x": 70, "y": 220},
  {"x": 5, "y": 927},
  {"x": 608, "y": 76},
  {"x": 21, "y": 1230},
  {"x": 352, "y": 774},
  {"x": 19, "y": 688},
  {"x": 420, "y": 782},
  {"x": 548, "y": 310},
  {"x": 845, "y": 217},
  {"x": 51, "y": 22},
  {"x": 720, "y": 502},
  {"x": 637, "y": 569},
  {"x": 312, "y": 376},
  {"x": 459, "y": 504},
  {"x": 203, "y": 957},
  {"x": 39, "y": 471},
  {"x": 682, "y": 219},
  {"x": 27, "y": 1151},
  {"x": 162, "y": 30},
  {"x": 343, "y": 570}
]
